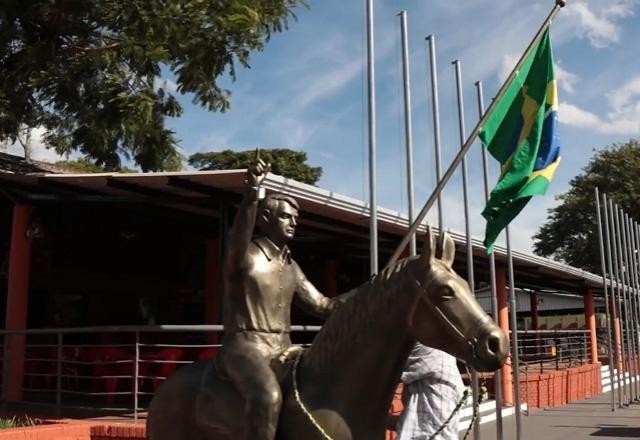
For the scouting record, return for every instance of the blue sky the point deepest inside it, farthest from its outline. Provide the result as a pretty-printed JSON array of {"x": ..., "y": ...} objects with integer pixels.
[{"x": 307, "y": 91}]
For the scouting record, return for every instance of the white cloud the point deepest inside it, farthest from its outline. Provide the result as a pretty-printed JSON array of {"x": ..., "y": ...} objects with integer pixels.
[
  {"x": 38, "y": 150},
  {"x": 598, "y": 21},
  {"x": 509, "y": 61},
  {"x": 623, "y": 118},
  {"x": 566, "y": 80},
  {"x": 165, "y": 83}
]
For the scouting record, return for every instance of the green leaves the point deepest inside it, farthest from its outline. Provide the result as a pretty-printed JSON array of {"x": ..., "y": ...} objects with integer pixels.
[
  {"x": 570, "y": 233},
  {"x": 85, "y": 70},
  {"x": 284, "y": 162}
]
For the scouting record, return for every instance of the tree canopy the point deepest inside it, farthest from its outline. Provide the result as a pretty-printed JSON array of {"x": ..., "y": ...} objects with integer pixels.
[
  {"x": 571, "y": 233},
  {"x": 87, "y": 71},
  {"x": 284, "y": 162}
]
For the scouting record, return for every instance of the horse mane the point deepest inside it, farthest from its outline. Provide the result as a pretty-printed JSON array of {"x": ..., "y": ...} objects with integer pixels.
[{"x": 350, "y": 324}]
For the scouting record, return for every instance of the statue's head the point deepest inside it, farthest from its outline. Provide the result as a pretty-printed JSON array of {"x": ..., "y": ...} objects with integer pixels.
[{"x": 278, "y": 217}]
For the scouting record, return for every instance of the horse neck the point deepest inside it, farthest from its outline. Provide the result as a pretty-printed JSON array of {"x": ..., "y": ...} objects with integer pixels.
[{"x": 361, "y": 350}]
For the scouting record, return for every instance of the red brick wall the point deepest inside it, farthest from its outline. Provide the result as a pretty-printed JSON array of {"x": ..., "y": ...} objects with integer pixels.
[
  {"x": 557, "y": 388},
  {"x": 76, "y": 430}
]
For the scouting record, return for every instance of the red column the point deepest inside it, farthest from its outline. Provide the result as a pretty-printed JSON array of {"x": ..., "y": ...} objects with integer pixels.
[
  {"x": 330, "y": 278},
  {"x": 212, "y": 297},
  {"x": 503, "y": 322},
  {"x": 616, "y": 336},
  {"x": 17, "y": 299},
  {"x": 533, "y": 298},
  {"x": 590, "y": 319}
]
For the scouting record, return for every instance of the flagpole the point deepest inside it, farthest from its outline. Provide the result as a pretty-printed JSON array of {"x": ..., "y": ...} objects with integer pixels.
[
  {"x": 467, "y": 228},
  {"x": 492, "y": 276},
  {"x": 373, "y": 203},
  {"x": 515, "y": 356},
  {"x": 603, "y": 266},
  {"x": 406, "y": 82},
  {"x": 472, "y": 137},
  {"x": 436, "y": 119}
]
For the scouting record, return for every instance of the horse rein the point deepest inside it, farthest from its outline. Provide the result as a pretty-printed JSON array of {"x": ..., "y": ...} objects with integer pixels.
[{"x": 302, "y": 406}]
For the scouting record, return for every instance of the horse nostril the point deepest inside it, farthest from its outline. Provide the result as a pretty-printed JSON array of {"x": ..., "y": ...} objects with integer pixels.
[{"x": 493, "y": 344}]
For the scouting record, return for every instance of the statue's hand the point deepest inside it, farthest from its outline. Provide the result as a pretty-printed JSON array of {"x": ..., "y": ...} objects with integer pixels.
[{"x": 257, "y": 171}]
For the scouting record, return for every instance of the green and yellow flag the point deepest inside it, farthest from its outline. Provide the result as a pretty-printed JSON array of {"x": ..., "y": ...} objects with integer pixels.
[{"x": 522, "y": 133}]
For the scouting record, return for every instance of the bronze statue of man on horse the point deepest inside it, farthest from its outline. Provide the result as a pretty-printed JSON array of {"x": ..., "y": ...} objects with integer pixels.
[{"x": 342, "y": 387}]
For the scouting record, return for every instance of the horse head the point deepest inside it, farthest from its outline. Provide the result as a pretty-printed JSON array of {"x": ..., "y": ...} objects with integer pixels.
[{"x": 444, "y": 300}]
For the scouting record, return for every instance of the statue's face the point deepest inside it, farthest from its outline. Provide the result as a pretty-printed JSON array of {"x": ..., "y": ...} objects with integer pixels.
[{"x": 282, "y": 223}]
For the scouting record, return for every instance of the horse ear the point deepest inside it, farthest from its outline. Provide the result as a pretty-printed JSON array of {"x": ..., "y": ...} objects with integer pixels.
[
  {"x": 429, "y": 249},
  {"x": 448, "y": 249}
]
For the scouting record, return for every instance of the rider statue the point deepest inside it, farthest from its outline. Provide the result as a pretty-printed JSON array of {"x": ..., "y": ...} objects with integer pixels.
[{"x": 260, "y": 282}]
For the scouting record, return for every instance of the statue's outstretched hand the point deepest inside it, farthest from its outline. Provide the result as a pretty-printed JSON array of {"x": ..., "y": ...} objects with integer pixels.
[{"x": 257, "y": 171}]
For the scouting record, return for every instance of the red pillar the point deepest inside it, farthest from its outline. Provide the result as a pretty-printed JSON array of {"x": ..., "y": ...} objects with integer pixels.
[
  {"x": 212, "y": 286},
  {"x": 533, "y": 298},
  {"x": 590, "y": 319},
  {"x": 503, "y": 322},
  {"x": 331, "y": 277},
  {"x": 616, "y": 336},
  {"x": 17, "y": 299}
]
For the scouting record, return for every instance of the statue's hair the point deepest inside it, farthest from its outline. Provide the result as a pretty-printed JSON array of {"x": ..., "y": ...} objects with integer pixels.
[{"x": 272, "y": 200}]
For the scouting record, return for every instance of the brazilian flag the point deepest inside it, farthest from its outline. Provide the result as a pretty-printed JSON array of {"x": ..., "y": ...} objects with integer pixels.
[{"x": 522, "y": 133}]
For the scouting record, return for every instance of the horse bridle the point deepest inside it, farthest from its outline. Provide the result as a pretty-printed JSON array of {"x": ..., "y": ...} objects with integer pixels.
[{"x": 468, "y": 338}]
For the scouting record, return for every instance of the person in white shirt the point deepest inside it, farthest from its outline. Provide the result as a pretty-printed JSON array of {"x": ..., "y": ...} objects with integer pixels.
[{"x": 432, "y": 389}]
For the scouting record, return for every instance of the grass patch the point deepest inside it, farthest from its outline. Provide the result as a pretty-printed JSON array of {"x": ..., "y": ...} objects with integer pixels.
[{"x": 19, "y": 422}]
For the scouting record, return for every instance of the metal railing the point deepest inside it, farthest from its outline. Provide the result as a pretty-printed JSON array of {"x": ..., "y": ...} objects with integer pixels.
[
  {"x": 553, "y": 349},
  {"x": 110, "y": 369}
]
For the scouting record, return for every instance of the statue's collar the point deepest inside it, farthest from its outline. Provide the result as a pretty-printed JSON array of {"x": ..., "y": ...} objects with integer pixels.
[{"x": 270, "y": 250}]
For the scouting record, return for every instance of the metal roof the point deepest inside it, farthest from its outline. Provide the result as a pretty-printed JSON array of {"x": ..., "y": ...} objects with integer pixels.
[{"x": 200, "y": 192}]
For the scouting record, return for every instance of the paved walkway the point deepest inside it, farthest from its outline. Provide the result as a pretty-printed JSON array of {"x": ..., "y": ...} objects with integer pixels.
[{"x": 587, "y": 419}]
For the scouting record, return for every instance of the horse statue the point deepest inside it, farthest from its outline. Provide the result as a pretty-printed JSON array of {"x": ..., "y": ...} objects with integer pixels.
[{"x": 341, "y": 388}]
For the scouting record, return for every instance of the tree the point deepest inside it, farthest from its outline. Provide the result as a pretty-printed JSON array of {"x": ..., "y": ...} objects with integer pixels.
[
  {"x": 571, "y": 232},
  {"x": 87, "y": 71},
  {"x": 285, "y": 162}
]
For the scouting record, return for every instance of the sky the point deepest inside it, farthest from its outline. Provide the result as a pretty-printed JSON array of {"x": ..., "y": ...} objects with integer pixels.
[{"x": 307, "y": 91}]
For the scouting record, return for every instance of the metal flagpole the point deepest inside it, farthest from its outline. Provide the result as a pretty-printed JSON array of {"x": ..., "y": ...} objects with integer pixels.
[
  {"x": 467, "y": 229},
  {"x": 614, "y": 285},
  {"x": 436, "y": 119},
  {"x": 624, "y": 269},
  {"x": 515, "y": 359},
  {"x": 474, "y": 133},
  {"x": 406, "y": 82},
  {"x": 604, "y": 288},
  {"x": 634, "y": 263},
  {"x": 497, "y": 378},
  {"x": 623, "y": 302},
  {"x": 373, "y": 203},
  {"x": 619, "y": 289},
  {"x": 636, "y": 258},
  {"x": 631, "y": 308}
]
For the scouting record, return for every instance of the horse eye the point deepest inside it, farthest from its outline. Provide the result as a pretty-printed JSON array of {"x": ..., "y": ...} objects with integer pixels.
[{"x": 445, "y": 293}]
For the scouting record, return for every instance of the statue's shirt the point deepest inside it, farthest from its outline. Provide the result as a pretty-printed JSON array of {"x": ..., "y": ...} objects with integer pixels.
[{"x": 259, "y": 291}]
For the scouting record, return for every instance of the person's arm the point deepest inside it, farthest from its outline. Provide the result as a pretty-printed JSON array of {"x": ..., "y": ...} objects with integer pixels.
[
  {"x": 314, "y": 302},
  {"x": 245, "y": 219}
]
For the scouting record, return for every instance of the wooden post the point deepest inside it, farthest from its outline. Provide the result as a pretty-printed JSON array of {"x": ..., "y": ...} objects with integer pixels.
[
  {"x": 503, "y": 322},
  {"x": 17, "y": 300}
]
